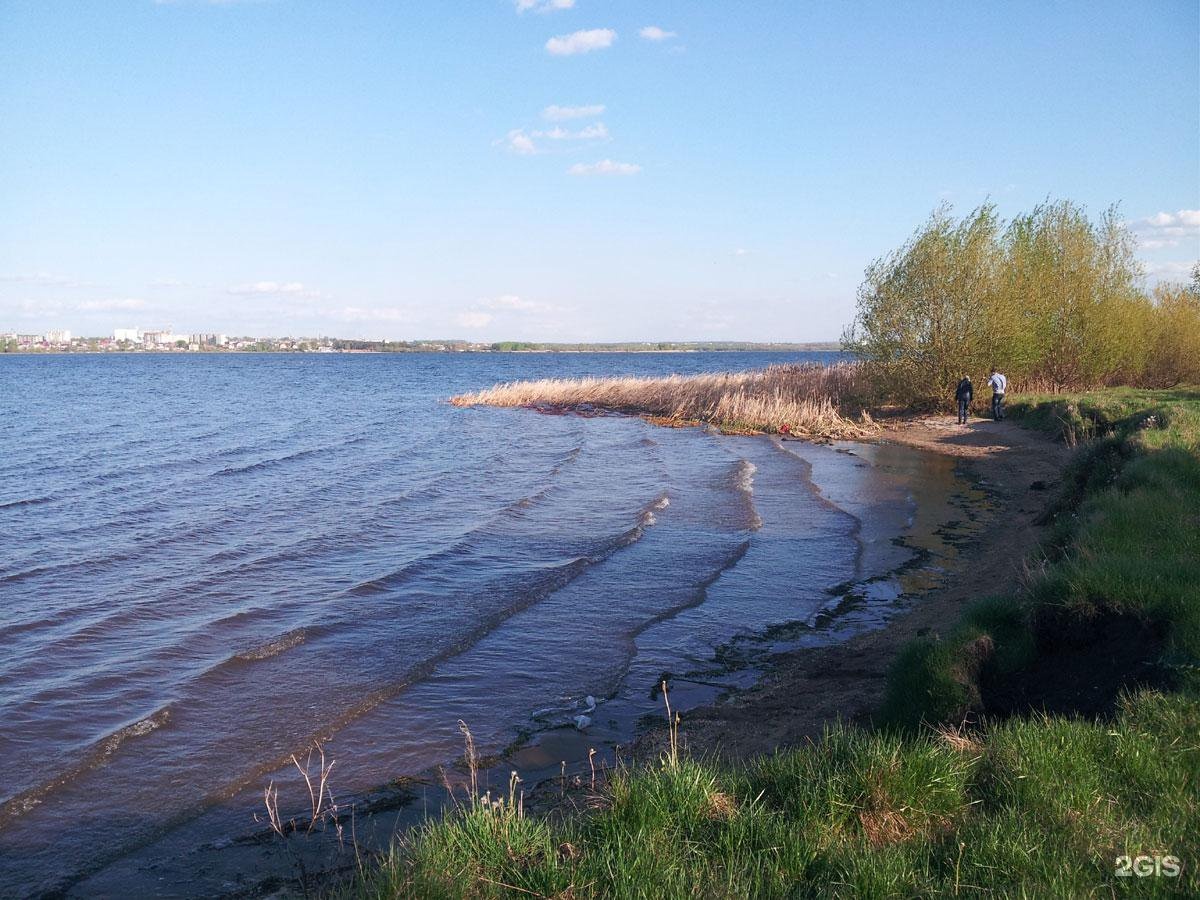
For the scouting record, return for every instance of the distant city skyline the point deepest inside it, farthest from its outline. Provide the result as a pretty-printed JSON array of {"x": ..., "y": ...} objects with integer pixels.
[{"x": 557, "y": 171}]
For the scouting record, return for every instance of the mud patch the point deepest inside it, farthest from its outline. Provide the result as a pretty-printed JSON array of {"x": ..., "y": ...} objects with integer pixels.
[{"x": 1081, "y": 669}]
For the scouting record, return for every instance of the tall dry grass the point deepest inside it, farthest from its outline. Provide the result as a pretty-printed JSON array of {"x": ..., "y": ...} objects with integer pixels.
[{"x": 810, "y": 400}]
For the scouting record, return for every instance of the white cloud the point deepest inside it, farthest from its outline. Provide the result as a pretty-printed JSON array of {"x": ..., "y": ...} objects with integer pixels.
[
  {"x": 604, "y": 167},
  {"x": 522, "y": 143},
  {"x": 581, "y": 42},
  {"x": 474, "y": 319},
  {"x": 543, "y": 6},
  {"x": 1186, "y": 218},
  {"x": 369, "y": 314},
  {"x": 486, "y": 310},
  {"x": 110, "y": 305},
  {"x": 50, "y": 305},
  {"x": 1170, "y": 270},
  {"x": 204, "y": 2},
  {"x": 562, "y": 113},
  {"x": 294, "y": 288},
  {"x": 654, "y": 33},
  {"x": 594, "y": 132},
  {"x": 709, "y": 317},
  {"x": 1167, "y": 229},
  {"x": 44, "y": 279},
  {"x": 514, "y": 303},
  {"x": 741, "y": 251},
  {"x": 518, "y": 142}
]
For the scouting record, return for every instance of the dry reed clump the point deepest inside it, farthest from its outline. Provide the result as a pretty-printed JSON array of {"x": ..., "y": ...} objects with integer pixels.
[
  {"x": 789, "y": 399},
  {"x": 959, "y": 739}
]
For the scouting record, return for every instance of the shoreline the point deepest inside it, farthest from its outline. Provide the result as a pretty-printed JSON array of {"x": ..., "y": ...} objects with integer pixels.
[{"x": 804, "y": 690}]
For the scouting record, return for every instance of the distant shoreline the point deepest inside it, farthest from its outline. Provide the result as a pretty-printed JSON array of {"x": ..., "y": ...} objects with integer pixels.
[{"x": 816, "y": 347}]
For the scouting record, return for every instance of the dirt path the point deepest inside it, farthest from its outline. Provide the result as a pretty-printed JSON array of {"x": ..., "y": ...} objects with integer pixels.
[{"x": 806, "y": 689}]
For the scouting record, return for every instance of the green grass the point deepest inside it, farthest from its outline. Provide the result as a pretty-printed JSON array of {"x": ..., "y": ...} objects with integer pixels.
[
  {"x": 1035, "y": 807},
  {"x": 1125, "y": 542}
]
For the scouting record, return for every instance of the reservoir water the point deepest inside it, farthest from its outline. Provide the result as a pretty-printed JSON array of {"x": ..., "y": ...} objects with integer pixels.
[{"x": 207, "y": 562}]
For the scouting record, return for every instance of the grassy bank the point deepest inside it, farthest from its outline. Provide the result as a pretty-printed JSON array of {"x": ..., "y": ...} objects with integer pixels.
[
  {"x": 963, "y": 790},
  {"x": 821, "y": 401}
]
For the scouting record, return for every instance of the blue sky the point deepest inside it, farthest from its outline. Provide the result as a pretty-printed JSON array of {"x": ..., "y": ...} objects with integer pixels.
[{"x": 714, "y": 170}]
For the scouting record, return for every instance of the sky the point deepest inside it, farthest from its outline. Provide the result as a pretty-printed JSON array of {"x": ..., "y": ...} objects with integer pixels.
[{"x": 557, "y": 170}]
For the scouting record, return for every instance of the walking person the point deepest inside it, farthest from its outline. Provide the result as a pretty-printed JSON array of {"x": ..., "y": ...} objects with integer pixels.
[
  {"x": 999, "y": 385},
  {"x": 964, "y": 394}
]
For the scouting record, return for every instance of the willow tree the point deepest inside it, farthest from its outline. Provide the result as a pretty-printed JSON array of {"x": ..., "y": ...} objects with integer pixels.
[
  {"x": 1072, "y": 295},
  {"x": 1175, "y": 334},
  {"x": 1052, "y": 298},
  {"x": 922, "y": 321}
]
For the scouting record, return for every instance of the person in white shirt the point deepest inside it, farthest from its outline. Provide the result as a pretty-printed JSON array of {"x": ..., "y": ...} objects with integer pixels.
[{"x": 999, "y": 385}]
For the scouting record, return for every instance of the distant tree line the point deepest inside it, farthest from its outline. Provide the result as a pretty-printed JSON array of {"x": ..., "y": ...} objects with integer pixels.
[
  {"x": 1052, "y": 298},
  {"x": 663, "y": 346}
]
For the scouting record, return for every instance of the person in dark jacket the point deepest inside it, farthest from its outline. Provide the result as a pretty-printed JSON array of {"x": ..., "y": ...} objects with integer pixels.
[{"x": 964, "y": 394}]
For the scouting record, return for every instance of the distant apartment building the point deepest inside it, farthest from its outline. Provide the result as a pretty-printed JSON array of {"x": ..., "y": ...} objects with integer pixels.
[
  {"x": 208, "y": 339},
  {"x": 165, "y": 338},
  {"x": 133, "y": 335},
  {"x": 28, "y": 340},
  {"x": 59, "y": 336}
]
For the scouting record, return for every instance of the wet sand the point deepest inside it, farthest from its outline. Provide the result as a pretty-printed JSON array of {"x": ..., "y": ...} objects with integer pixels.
[{"x": 805, "y": 689}]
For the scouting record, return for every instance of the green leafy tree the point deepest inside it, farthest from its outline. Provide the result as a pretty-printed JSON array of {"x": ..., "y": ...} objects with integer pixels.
[{"x": 1053, "y": 299}]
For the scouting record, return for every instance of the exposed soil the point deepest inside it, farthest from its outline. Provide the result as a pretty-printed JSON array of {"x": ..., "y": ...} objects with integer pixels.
[
  {"x": 806, "y": 690},
  {"x": 1081, "y": 670}
]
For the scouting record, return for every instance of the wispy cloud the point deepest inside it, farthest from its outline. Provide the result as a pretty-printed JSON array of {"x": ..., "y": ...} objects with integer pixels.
[
  {"x": 1170, "y": 270},
  {"x": 121, "y": 303},
  {"x": 581, "y": 42},
  {"x": 514, "y": 303},
  {"x": 543, "y": 6},
  {"x": 709, "y": 317},
  {"x": 563, "y": 113},
  {"x": 522, "y": 143},
  {"x": 205, "y": 2},
  {"x": 369, "y": 314},
  {"x": 474, "y": 319},
  {"x": 604, "y": 167},
  {"x": 518, "y": 142},
  {"x": 656, "y": 34},
  {"x": 1168, "y": 229},
  {"x": 44, "y": 279},
  {"x": 294, "y": 288},
  {"x": 50, "y": 305},
  {"x": 594, "y": 132},
  {"x": 486, "y": 310}
]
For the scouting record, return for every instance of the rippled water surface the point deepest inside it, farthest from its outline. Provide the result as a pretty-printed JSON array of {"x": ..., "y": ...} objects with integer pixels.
[{"x": 206, "y": 562}]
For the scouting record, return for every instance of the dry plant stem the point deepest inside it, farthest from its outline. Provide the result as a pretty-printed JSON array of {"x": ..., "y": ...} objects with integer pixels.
[
  {"x": 271, "y": 801},
  {"x": 319, "y": 793},
  {"x": 471, "y": 758},
  {"x": 672, "y": 727}
]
